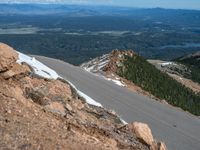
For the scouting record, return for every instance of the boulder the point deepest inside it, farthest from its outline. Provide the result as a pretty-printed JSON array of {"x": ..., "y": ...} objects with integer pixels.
[
  {"x": 68, "y": 107},
  {"x": 142, "y": 132},
  {"x": 8, "y": 56},
  {"x": 56, "y": 107},
  {"x": 38, "y": 94},
  {"x": 162, "y": 146}
]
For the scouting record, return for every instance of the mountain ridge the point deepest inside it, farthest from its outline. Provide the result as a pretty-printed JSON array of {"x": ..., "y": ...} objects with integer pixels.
[{"x": 143, "y": 77}]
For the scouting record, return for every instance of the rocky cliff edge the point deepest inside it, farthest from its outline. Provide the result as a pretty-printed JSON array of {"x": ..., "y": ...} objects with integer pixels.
[{"x": 38, "y": 113}]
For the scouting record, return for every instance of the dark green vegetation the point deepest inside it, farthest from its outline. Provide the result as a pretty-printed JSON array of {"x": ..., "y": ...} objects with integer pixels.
[
  {"x": 77, "y": 33},
  {"x": 145, "y": 75},
  {"x": 192, "y": 61},
  {"x": 195, "y": 74}
]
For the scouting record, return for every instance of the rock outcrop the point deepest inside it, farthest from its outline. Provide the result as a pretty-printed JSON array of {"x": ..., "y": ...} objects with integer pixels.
[
  {"x": 142, "y": 131},
  {"x": 115, "y": 60},
  {"x": 7, "y": 57},
  {"x": 46, "y": 114}
]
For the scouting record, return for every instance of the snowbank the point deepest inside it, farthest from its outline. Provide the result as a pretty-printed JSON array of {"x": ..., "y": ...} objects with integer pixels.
[
  {"x": 96, "y": 65},
  {"x": 167, "y": 63},
  {"x": 88, "y": 99},
  {"x": 116, "y": 82},
  {"x": 124, "y": 122},
  {"x": 42, "y": 70},
  {"x": 38, "y": 68}
]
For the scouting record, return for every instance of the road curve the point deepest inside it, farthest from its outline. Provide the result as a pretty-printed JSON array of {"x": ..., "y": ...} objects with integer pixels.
[{"x": 178, "y": 129}]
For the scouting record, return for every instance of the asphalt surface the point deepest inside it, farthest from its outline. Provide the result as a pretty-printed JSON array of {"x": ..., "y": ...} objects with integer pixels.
[{"x": 178, "y": 129}]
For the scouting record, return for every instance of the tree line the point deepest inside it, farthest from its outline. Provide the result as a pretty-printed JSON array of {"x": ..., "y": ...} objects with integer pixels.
[{"x": 145, "y": 75}]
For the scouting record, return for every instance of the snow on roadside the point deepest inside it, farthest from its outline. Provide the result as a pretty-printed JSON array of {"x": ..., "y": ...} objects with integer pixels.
[
  {"x": 43, "y": 71},
  {"x": 89, "y": 69},
  {"x": 124, "y": 122},
  {"x": 91, "y": 101},
  {"x": 116, "y": 82},
  {"x": 163, "y": 64},
  {"x": 95, "y": 66},
  {"x": 39, "y": 68},
  {"x": 88, "y": 99}
]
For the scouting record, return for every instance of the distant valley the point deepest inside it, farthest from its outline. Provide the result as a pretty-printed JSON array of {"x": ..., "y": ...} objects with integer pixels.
[{"x": 76, "y": 34}]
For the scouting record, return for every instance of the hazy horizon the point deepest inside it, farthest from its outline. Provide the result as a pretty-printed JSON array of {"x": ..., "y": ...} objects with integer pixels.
[{"x": 178, "y": 4}]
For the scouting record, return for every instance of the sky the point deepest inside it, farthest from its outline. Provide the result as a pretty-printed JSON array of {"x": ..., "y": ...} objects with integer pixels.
[{"x": 183, "y": 4}]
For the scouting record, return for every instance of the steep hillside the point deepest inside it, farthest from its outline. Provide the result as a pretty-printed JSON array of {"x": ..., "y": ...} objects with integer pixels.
[
  {"x": 128, "y": 66},
  {"x": 178, "y": 71},
  {"x": 192, "y": 61},
  {"x": 159, "y": 84},
  {"x": 38, "y": 112}
]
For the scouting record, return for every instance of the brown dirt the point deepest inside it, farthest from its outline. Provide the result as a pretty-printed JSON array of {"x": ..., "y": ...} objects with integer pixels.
[
  {"x": 46, "y": 114},
  {"x": 187, "y": 82},
  {"x": 7, "y": 57}
]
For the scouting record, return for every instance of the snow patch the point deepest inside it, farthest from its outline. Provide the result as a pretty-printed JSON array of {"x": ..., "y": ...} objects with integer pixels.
[
  {"x": 42, "y": 70},
  {"x": 38, "y": 68},
  {"x": 103, "y": 64},
  {"x": 116, "y": 82},
  {"x": 124, "y": 122},
  {"x": 88, "y": 99},
  {"x": 167, "y": 63},
  {"x": 91, "y": 101},
  {"x": 89, "y": 69},
  {"x": 97, "y": 64}
]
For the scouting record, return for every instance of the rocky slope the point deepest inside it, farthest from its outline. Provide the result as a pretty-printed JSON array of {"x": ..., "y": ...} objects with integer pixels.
[{"x": 38, "y": 113}]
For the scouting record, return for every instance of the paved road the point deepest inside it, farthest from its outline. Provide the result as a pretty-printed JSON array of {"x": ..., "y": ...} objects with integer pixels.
[{"x": 180, "y": 130}]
